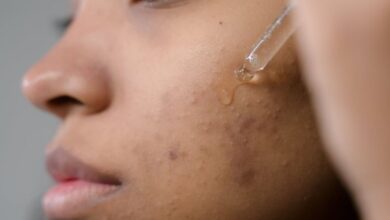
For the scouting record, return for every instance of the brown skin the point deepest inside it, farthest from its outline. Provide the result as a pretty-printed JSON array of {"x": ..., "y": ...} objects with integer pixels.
[{"x": 142, "y": 87}]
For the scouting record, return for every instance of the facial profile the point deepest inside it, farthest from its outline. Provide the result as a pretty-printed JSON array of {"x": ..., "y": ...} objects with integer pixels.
[{"x": 144, "y": 134}]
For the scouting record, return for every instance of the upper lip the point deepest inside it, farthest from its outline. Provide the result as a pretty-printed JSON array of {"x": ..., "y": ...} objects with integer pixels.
[{"x": 64, "y": 167}]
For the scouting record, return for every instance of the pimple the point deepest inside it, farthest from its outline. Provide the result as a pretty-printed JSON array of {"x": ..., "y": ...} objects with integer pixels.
[{"x": 173, "y": 155}]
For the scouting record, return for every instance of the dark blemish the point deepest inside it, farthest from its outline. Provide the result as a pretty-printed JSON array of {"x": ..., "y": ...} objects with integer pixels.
[
  {"x": 173, "y": 155},
  {"x": 268, "y": 127},
  {"x": 242, "y": 153},
  {"x": 275, "y": 116},
  {"x": 220, "y": 22},
  {"x": 285, "y": 163},
  {"x": 246, "y": 124},
  {"x": 204, "y": 149},
  {"x": 260, "y": 126},
  {"x": 183, "y": 154},
  {"x": 247, "y": 177}
]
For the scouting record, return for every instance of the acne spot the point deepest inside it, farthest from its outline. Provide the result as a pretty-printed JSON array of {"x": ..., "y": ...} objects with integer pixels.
[
  {"x": 239, "y": 132},
  {"x": 246, "y": 124},
  {"x": 247, "y": 177},
  {"x": 243, "y": 149},
  {"x": 242, "y": 152},
  {"x": 173, "y": 155}
]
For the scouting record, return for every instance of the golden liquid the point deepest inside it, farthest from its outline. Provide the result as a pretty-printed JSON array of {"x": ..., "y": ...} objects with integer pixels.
[
  {"x": 226, "y": 92},
  {"x": 228, "y": 85}
]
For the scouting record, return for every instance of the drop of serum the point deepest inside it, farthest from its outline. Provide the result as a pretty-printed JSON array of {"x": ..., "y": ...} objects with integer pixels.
[
  {"x": 244, "y": 75},
  {"x": 228, "y": 86},
  {"x": 263, "y": 51}
]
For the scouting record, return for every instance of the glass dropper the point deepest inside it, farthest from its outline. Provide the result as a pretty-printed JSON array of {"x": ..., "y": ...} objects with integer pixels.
[{"x": 268, "y": 45}]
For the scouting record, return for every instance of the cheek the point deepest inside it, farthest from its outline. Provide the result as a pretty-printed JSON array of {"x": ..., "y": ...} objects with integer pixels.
[
  {"x": 177, "y": 111},
  {"x": 189, "y": 129},
  {"x": 176, "y": 135},
  {"x": 183, "y": 147}
]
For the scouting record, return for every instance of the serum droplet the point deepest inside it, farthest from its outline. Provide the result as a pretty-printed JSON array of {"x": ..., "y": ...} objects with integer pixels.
[
  {"x": 244, "y": 75},
  {"x": 228, "y": 85}
]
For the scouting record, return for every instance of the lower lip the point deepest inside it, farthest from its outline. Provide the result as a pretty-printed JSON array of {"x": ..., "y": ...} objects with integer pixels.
[{"x": 73, "y": 198}]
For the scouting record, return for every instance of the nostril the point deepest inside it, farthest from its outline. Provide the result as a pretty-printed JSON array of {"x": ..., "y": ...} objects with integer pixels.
[
  {"x": 63, "y": 104},
  {"x": 68, "y": 88},
  {"x": 63, "y": 101}
]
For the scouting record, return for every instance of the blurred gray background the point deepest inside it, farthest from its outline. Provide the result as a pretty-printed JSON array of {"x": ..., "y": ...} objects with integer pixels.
[{"x": 27, "y": 31}]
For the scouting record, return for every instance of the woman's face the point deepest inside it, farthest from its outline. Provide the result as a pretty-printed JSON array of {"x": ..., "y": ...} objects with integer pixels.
[{"x": 138, "y": 88}]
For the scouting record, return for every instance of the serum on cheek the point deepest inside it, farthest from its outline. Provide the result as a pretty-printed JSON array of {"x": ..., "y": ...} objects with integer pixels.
[{"x": 253, "y": 70}]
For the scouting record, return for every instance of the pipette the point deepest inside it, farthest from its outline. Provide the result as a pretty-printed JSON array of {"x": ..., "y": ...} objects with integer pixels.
[{"x": 268, "y": 45}]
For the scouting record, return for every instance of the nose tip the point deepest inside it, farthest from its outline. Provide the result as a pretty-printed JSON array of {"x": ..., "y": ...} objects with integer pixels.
[
  {"x": 75, "y": 76},
  {"x": 63, "y": 91}
]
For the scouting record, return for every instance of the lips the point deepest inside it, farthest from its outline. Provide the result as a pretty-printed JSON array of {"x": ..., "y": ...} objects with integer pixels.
[{"x": 79, "y": 187}]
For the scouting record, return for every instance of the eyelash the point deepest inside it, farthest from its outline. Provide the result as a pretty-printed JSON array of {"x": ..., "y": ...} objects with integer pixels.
[{"x": 160, "y": 3}]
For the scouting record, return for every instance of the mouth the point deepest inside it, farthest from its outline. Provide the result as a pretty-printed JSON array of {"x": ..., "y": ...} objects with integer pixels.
[{"x": 78, "y": 188}]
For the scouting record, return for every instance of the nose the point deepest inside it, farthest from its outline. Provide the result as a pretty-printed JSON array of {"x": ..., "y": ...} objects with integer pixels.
[{"x": 70, "y": 79}]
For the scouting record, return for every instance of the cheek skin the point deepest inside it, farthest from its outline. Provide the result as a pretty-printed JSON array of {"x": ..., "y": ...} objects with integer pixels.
[
  {"x": 190, "y": 150},
  {"x": 182, "y": 152}
]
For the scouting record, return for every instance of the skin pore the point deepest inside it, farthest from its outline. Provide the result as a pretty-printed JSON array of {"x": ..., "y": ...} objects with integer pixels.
[{"x": 136, "y": 86}]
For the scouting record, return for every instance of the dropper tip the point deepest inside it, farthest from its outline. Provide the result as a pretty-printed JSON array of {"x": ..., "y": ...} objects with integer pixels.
[{"x": 244, "y": 75}]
